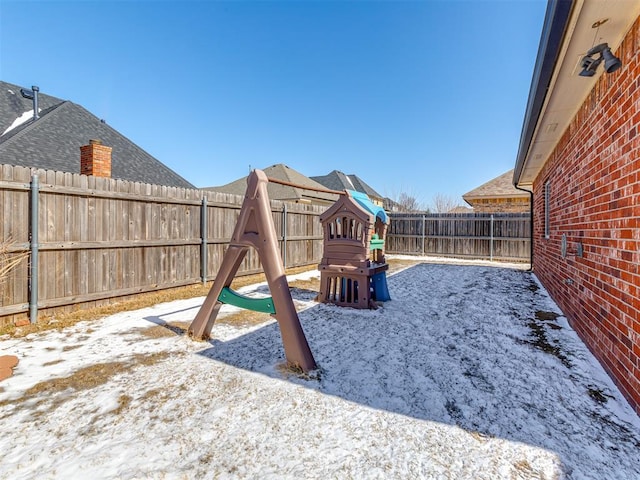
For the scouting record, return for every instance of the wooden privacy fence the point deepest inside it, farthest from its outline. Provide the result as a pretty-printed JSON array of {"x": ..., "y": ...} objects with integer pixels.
[
  {"x": 500, "y": 236},
  {"x": 88, "y": 240},
  {"x": 92, "y": 239}
]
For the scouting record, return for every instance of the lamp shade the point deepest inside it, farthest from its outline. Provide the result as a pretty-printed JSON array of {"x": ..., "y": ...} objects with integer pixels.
[{"x": 611, "y": 62}]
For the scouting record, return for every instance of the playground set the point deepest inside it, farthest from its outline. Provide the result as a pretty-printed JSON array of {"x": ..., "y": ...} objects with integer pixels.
[{"x": 352, "y": 268}]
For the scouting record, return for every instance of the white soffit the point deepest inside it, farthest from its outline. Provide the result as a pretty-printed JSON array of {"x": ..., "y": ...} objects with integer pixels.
[{"x": 568, "y": 90}]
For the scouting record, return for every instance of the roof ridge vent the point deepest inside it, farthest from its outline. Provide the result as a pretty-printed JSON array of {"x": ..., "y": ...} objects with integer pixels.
[{"x": 32, "y": 95}]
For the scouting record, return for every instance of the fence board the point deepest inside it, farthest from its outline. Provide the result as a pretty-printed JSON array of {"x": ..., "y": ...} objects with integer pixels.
[{"x": 479, "y": 236}]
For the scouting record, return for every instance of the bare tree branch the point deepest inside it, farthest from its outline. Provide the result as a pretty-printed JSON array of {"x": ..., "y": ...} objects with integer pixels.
[
  {"x": 405, "y": 201},
  {"x": 444, "y": 203}
]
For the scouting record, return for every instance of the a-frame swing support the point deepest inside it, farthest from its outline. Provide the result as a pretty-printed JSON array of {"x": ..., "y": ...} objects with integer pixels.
[{"x": 255, "y": 228}]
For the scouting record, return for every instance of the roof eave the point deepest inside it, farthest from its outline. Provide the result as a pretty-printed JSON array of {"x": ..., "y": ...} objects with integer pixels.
[
  {"x": 496, "y": 196},
  {"x": 555, "y": 23}
]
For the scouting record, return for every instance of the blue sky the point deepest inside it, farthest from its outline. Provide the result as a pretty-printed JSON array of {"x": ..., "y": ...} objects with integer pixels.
[{"x": 420, "y": 97}]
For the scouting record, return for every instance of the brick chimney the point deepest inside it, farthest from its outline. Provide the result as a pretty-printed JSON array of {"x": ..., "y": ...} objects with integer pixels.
[{"x": 95, "y": 159}]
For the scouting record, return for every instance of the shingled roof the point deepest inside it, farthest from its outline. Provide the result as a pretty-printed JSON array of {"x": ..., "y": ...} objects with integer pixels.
[
  {"x": 53, "y": 141},
  {"x": 283, "y": 192},
  {"x": 499, "y": 187},
  {"x": 337, "y": 180}
]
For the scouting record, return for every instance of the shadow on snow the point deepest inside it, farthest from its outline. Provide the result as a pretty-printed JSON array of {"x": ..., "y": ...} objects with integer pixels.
[{"x": 469, "y": 346}]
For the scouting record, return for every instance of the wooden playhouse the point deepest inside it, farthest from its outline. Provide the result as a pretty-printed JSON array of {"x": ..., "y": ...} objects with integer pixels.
[{"x": 353, "y": 267}]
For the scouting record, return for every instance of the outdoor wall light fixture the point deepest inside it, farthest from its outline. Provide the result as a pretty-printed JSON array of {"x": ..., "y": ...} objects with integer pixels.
[{"x": 590, "y": 64}]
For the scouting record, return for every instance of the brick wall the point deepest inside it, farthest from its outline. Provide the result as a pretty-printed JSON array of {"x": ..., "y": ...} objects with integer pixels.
[
  {"x": 501, "y": 205},
  {"x": 594, "y": 182},
  {"x": 95, "y": 159}
]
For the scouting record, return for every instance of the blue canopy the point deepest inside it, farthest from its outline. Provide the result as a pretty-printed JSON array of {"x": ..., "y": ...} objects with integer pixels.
[{"x": 365, "y": 202}]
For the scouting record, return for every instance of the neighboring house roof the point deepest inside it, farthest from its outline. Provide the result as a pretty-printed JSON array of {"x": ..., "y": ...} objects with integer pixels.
[
  {"x": 53, "y": 141},
  {"x": 390, "y": 205},
  {"x": 336, "y": 180},
  {"x": 283, "y": 192},
  {"x": 499, "y": 187},
  {"x": 557, "y": 89},
  {"x": 16, "y": 110},
  {"x": 461, "y": 209}
]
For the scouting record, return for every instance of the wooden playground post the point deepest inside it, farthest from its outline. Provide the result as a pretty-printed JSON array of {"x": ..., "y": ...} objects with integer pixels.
[{"x": 255, "y": 228}]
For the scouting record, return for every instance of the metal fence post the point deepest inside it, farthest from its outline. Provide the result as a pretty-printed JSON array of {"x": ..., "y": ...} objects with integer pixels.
[
  {"x": 203, "y": 236},
  {"x": 284, "y": 235},
  {"x": 424, "y": 231},
  {"x": 33, "y": 266}
]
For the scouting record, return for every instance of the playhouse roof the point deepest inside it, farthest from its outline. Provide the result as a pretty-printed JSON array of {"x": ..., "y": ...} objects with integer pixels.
[
  {"x": 347, "y": 203},
  {"x": 365, "y": 202}
]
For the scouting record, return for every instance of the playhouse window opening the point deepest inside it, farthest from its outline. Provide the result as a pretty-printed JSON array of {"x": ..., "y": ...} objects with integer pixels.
[
  {"x": 343, "y": 290},
  {"x": 331, "y": 289},
  {"x": 347, "y": 228}
]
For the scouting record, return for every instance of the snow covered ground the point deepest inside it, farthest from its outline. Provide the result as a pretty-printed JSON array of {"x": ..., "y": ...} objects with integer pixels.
[{"x": 469, "y": 372}]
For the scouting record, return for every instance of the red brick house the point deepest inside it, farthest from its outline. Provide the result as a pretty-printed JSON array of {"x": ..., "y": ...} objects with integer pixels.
[{"x": 579, "y": 155}]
